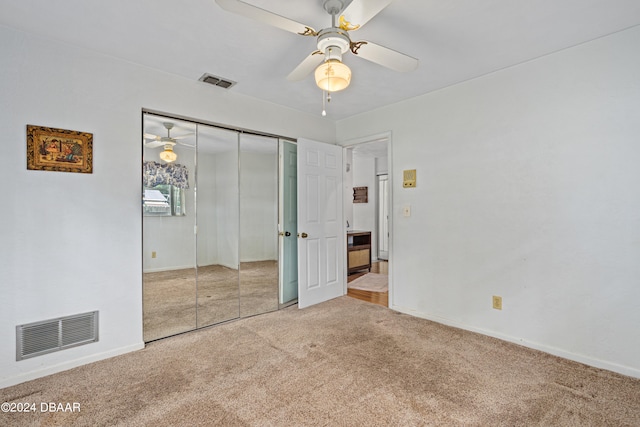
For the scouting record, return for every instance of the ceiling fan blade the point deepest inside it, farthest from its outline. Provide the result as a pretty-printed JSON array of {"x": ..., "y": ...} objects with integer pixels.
[
  {"x": 306, "y": 67},
  {"x": 359, "y": 12},
  {"x": 186, "y": 135},
  {"x": 386, "y": 57},
  {"x": 153, "y": 144},
  {"x": 184, "y": 144},
  {"x": 255, "y": 13},
  {"x": 151, "y": 136}
]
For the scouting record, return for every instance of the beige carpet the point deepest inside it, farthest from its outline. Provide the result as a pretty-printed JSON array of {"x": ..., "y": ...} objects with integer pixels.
[
  {"x": 372, "y": 282},
  {"x": 341, "y": 363}
]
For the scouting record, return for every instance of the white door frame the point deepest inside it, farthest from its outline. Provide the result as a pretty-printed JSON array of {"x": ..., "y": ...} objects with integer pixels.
[{"x": 351, "y": 143}]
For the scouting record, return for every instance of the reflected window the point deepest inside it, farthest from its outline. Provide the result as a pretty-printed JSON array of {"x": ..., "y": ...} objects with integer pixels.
[{"x": 163, "y": 200}]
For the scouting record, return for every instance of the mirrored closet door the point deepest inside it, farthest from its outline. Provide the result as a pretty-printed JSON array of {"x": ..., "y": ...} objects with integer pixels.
[
  {"x": 258, "y": 224},
  {"x": 210, "y": 225},
  {"x": 217, "y": 207},
  {"x": 168, "y": 220}
]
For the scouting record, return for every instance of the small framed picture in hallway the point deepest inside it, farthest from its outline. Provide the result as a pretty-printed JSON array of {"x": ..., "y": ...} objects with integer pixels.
[{"x": 360, "y": 195}]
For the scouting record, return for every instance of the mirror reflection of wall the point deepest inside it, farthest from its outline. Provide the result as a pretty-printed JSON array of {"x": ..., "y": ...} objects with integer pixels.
[
  {"x": 258, "y": 224},
  {"x": 210, "y": 226}
]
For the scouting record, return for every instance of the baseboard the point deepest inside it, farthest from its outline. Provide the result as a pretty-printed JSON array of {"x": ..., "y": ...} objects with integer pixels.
[
  {"x": 187, "y": 267},
  {"x": 173, "y": 268},
  {"x": 32, "y": 375},
  {"x": 596, "y": 363}
]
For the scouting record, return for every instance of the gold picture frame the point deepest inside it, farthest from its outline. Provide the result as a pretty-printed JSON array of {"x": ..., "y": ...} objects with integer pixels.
[{"x": 60, "y": 150}]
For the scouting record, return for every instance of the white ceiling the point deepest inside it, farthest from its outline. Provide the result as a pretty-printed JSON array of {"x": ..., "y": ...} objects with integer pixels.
[{"x": 455, "y": 40}]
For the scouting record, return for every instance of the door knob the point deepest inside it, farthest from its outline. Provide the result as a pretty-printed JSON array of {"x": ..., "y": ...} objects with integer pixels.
[
  {"x": 304, "y": 235},
  {"x": 286, "y": 233}
]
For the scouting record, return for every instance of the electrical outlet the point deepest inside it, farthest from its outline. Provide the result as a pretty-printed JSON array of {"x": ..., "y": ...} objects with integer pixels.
[
  {"x": 497, "y": 302},
  {"x": 153, "y": 254}
]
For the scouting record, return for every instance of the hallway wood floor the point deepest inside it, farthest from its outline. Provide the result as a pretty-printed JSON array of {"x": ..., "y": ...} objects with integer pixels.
[{"x": 380, "y": 298}]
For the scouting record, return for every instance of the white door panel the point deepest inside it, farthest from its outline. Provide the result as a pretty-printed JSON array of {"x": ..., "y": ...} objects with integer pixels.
[{"x": 321, "y": 253}]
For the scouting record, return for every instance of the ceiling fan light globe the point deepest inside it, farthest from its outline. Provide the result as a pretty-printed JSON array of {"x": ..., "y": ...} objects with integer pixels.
[
  {"x": 168, "y": 155},
  {"x": 333, "y": 76}
]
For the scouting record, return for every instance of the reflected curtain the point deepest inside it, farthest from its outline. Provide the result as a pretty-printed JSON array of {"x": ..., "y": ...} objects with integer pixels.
[{"x": 155, "y": 173}]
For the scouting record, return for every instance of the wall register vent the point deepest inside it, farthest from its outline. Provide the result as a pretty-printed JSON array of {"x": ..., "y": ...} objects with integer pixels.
[
  {"x": 217, "y": 81},
  {"x": 35, "y": 339}
]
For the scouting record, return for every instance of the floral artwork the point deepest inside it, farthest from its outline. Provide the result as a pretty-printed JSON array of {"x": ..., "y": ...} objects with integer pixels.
[{"x": 59, "y": 150}]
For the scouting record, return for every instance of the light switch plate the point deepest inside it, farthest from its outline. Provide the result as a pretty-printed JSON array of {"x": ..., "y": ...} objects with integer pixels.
[{"x": 406, "y": 210}]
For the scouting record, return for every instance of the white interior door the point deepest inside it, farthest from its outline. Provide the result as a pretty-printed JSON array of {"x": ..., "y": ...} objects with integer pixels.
[{"x": 321, "y": 236}]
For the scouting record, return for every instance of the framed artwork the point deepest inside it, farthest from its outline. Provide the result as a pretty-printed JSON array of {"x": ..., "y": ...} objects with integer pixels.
[
  {"x": 59, "y": 150},
  {"x": 360, "y": 195}
]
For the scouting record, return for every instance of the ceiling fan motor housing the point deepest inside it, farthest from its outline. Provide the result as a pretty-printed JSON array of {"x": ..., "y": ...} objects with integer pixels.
[
  {"x": 333, "y": 7},
  {"x": 333, "y": 42}
]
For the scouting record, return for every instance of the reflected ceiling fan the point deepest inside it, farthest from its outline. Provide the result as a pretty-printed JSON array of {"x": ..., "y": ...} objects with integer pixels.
[
  {"x": 168, "y": 155},
  {"x": 331, "y": 74}
]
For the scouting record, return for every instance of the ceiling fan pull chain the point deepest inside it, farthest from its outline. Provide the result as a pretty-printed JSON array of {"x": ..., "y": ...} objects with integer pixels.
[{"x": 324, "y": 109}]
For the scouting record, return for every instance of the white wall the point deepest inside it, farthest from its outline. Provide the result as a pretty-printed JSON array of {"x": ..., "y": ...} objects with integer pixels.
[
  {"x": 382, "y": 165},
  {"x": 72, "y": 243},
  {"x": 348, "y": 190},
  {"x": 527, "y": 187}
]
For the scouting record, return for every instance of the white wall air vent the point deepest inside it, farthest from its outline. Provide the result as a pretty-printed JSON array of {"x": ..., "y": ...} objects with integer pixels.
[
  {"x": 47, "y": 336},
  {"x": 217, "y": 81}
]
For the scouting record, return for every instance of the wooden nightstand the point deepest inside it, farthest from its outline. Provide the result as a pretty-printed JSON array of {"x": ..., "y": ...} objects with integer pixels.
[{"x": 358, "y": 251}]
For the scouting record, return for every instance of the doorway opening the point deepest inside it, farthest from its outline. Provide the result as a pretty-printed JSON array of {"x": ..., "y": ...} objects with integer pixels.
[{"x": 368, "y": 218}]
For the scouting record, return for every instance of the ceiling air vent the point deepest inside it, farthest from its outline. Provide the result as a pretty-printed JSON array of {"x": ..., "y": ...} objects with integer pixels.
[
  {"x": 217, "y": 81},
  {"x": 52, "y": 335}
]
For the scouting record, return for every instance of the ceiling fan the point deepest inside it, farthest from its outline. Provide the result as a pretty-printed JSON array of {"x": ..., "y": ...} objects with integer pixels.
[
  {"x": 168, "y": 155},
  {"x": 331, "y": 74}
]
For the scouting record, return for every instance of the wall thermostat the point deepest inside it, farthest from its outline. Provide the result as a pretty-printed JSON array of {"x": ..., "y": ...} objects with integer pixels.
[{"x": 409, "y": 178}]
